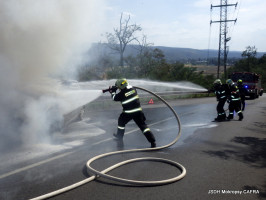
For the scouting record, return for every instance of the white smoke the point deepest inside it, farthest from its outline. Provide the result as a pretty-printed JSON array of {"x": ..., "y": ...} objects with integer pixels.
[{"x": 38, "y": 40}]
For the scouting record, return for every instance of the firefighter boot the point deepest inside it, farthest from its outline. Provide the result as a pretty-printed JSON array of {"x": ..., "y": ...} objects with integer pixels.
[
  {"x": 116, "y": 137},
  {"x": 223, "y": 117},
  {"x": 240, "y": 116},
  {"x": 119, "y": 134},
  {"x": 119, "y": 140},
  {"x": 230, "y": 116},
  {"x": 217, "y": 118},
  {"x": 150, "y": 138}
]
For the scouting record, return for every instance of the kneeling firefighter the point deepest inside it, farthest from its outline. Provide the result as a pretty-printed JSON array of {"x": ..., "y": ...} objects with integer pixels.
[
  {"x": 220, "y": 91},
  {"x": 131, "y": 110},
  {"x": 234, "y": 100}
]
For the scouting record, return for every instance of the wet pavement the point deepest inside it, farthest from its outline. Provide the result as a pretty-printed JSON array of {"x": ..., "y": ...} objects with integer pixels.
[{"x": 222, "y": 159}]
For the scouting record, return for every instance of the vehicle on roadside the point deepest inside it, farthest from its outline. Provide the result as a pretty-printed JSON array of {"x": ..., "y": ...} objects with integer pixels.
[
  {"x": 70, "y": 84},
  {"x": 251, "y": 81}
]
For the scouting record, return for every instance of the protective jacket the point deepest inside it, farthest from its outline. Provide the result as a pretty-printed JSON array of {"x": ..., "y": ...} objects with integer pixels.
[
  {"x": 221, "y": 92},
  {"x": 129, "y": 99},
  {"x": 235, "y": 103},
  {"x": 234, "y": 93},
  {"x": 242, "y": 93},
  {"x": 242, "y": 90}
]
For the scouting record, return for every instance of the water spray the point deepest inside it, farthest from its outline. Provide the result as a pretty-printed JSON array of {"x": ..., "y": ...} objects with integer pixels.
[{"x": 97, "y": 173}]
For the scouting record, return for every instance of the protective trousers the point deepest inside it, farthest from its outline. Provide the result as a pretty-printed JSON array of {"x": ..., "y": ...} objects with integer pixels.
[
  {"x": 139, "y": 119},
  {"x": 220, "y": 109},
  {"x": 235, "y": 106},
  {"x": 243, "y": 104}
]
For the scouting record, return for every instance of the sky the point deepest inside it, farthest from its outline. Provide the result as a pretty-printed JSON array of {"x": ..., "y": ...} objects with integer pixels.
[{"x": 186, "y": 24}]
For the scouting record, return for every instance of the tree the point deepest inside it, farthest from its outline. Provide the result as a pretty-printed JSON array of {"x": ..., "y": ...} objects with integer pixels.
[
  {"x": 250, "y": 63},
  {"x": 143, "y": 45},
  {"x": 250, "y": 53},
  {"x": 122, "y": 36},
  {"x": 144, "y": 53},
  {"x": 156, "y": 64}
]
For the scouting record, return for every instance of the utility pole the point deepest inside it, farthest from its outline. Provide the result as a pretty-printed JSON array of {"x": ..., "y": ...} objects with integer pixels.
[{"x": 223, "y": 48}]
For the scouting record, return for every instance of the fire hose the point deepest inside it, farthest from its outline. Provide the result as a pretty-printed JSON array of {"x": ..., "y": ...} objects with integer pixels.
[{"x": 104, "y": 174}]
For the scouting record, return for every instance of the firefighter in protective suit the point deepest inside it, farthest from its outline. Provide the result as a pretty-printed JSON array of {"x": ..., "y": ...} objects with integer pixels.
[
  {"x": 242, "y": 92},
  {"x": 131, "y": 110},
  {"x": 234, "y": 101},
  {"x": 220, "y": 91}
]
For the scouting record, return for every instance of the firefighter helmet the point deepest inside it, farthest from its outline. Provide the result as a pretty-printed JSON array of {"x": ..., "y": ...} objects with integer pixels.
[
  {"x": 239, "y": 81},
  {"x": 217, "y": 82},
  {"x": 229, "y": 82},
  {"x": 121, "y": 83}
]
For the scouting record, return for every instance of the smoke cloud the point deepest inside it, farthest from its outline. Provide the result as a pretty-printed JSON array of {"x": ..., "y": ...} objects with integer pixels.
[{"x": 40, "y": 40}]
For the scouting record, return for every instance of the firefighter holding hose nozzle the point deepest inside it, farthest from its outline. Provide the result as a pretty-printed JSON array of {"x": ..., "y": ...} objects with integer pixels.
[{"x": 131, "y": 110}]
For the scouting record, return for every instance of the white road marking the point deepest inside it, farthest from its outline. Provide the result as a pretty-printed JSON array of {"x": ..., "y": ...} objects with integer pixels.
[
  {"x": 34, "y": 165},
  {"x": 200, "y": 125},
  {"x": 66, "y": 154}
]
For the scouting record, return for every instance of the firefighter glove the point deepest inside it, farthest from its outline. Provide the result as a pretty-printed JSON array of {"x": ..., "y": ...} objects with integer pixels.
[{"x": 112, "y": 89}]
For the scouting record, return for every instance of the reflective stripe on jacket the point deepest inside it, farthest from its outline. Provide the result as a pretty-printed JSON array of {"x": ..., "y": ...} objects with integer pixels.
[
  {"x": 221, "y": 92},
  {"x": 129, "y": 99},
  {"x": 234, "y": 93}
]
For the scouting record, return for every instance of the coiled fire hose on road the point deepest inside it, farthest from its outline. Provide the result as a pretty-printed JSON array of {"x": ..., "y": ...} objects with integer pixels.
[{"x": 127, "y": 181}]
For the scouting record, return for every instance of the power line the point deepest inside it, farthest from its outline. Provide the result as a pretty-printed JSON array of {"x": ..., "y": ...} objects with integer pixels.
[
  {"x": 223, "y": 39},
  {"x": 209, "y": 41},
  {"x": 239, "y": 6}
]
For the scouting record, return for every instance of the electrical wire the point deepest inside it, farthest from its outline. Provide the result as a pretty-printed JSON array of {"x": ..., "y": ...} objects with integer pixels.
[
  {"x": 233, "y": 25},
  {"x": 97, "y": 173},
  {"x": 209, "y": 39},
  {"x": 230, "y": 29}
]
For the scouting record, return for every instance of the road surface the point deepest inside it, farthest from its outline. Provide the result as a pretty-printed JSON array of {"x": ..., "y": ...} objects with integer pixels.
[{"x": 225, "y": 160}]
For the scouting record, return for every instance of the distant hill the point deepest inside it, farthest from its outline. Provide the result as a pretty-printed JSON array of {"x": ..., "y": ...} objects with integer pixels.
[
  {"x": 175, "y": 53},
  {"x": 171, "y": 53}
]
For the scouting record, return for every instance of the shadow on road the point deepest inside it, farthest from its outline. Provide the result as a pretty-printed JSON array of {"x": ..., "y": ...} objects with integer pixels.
[
  {"x": 262, "y": 193},
  {"x": 254, "y": 154}
]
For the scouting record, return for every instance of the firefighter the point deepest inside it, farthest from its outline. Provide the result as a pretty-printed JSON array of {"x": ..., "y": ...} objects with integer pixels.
[
  {"x": 221, "y": 96},
  {"x": 131, "y": 110},
  {"x": 234, "y": 100},
  {"x": 243, "y": 92}
]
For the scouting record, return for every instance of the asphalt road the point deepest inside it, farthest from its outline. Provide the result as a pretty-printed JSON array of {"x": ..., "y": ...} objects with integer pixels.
[{"x": 225, "y": 160}]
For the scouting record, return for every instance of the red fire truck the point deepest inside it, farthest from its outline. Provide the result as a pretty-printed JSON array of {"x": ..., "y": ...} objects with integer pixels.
[{"x": 251, "y": 81}]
